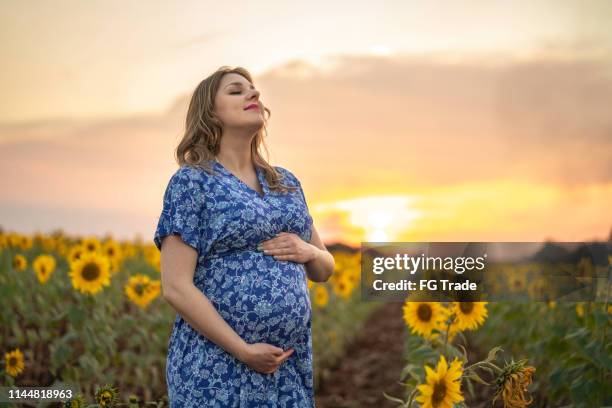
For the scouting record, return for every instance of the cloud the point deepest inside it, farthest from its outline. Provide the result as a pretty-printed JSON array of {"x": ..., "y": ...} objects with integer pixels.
[
  {"x": 435, "y": 122},
  {"x": 351, "y": 125}
]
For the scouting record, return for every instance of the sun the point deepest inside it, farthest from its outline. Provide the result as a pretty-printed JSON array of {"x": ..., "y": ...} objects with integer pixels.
[{"x": 381, "y": 218}]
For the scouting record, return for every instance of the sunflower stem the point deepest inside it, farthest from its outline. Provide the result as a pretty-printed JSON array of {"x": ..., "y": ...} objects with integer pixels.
[
  {"x": 448, "y": 325},
  {"x": 411, "y": 398}
]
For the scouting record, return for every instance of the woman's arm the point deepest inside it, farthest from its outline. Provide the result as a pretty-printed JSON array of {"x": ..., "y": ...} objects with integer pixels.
[
  {"x": 178, "y": 262},
  {"x": 288, "y": 246},
  {"x": 322, "y": 264}
]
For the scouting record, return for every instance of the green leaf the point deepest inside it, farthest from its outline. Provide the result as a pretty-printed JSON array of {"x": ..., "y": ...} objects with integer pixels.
[
  {"x": 493, "y": 353},
  {"x": 476, "y": 377},
  {"x": 411, "y": 370},
  {"x": 76, "y": 316},
  {"x": 578, "y": 334},
  {"x": 59, "y": 355}
]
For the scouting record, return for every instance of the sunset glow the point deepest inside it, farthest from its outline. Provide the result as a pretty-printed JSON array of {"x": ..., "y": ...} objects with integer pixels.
[{"x": 425, "y": 124}]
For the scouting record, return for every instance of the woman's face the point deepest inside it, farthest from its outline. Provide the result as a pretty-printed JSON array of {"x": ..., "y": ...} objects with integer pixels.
[{"x": 234, "y": 96}]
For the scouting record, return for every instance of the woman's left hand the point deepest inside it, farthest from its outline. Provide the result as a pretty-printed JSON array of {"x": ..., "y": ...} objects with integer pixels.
[{"x": 287, "y": 246}]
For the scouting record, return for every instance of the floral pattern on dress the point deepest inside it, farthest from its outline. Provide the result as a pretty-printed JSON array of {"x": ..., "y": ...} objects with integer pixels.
[{"x": 261, "y": 298}]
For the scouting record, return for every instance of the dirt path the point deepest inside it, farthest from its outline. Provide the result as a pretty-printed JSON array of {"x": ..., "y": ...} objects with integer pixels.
[{"x": 372, "y": 364}]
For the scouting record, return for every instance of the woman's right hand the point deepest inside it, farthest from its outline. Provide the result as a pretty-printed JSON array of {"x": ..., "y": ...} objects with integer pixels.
[{"x": 264, "y": 357}]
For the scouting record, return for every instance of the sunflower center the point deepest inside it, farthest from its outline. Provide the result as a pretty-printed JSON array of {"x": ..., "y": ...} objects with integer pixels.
[
  {"x": 91, "y": 272},
  {"x": 424, "y": 312},
  {"x": 43, "y": 269},
  {"x": 439, "y": 392},
  {"x": 139, "y": 288},
  {"x": 466, "y": 307},
  {"x": 12, "y": 362}
]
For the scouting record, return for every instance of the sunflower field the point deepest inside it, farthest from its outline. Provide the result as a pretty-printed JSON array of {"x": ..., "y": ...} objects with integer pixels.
[
  {"x": 509, "y": 354},
  {"x": 87, "y": 311}
]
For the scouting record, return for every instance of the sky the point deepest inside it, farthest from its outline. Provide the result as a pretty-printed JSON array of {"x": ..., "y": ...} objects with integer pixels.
[{"x": 404, "y": 121}]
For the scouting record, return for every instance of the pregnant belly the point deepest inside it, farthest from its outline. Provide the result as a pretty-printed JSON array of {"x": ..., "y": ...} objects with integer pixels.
[{"x": 262, "y": 299}]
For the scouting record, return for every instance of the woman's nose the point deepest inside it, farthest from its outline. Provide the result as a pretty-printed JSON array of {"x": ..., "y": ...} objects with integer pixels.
[{"x": 255, "y": 94}]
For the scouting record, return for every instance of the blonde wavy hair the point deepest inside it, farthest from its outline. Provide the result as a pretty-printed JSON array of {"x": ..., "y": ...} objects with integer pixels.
[{"x": 201, "y": 141}]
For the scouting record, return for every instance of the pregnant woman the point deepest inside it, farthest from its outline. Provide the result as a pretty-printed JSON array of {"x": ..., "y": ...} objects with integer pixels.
[{"x": 237, "y": 246}]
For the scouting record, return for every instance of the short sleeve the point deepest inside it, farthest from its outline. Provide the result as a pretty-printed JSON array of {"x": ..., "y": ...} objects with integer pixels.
[
  {"x": 183, "y": 208},
  {"x": 310, "y": 219},
  {"x": 294, "y": 181},
  {"x": 302, "y": 193}
]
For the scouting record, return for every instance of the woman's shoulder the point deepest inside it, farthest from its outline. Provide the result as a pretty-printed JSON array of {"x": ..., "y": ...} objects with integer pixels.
[
  {"x": 286, "y": 174},
  {"x": 190, "y": 173}
]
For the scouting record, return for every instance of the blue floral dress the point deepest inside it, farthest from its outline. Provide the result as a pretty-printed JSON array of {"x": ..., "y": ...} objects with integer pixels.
[{"x": 263, "y": 299}]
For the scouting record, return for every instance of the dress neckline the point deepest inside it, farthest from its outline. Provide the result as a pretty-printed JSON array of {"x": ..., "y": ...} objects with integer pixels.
[{"x": 260, "y": 177}]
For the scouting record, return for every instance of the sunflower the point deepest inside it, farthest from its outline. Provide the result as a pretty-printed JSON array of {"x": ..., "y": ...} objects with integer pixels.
[
  {"x": 13, "y": 361},
  {"x": 516, "y": 277},
  {"x": 75, "y": 252},
  {"x": 112, "y": 249},
  {"x": 107, "y": 396},
  {"x": 91, "y": 244},
  {"x": 48, "y": 243},
  {"x": 90, "y": 273},
  {"x": 469, "y": 315},
  {"x": 25, "y": 242},
  {"x": 342, "y": 287},
  {"x": 44, "y": 265},
  {"x": 310, "y": 283},
  {"x": 20, "y": 262},
  {"x": 155, "y": 260},
  {"x": 141, "y": 290},
  {"x": 321, "y": 296},
  {"x": 352, "y": 275},
  {"x": 443, "y": 387},
  {"x": 128, "y": 250},
  {"x": 14, "y": 239},
  {"x": 152, "y": 256},
  {"x": 424, "y": 317},
  {"x": 512, "y": 385}
]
